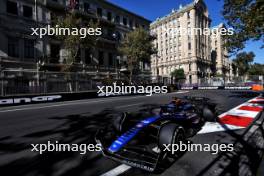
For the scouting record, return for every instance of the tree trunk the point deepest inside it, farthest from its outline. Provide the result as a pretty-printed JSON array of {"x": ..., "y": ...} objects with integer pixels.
[
  {"x": 70, "y": 86},
  {"x": 130, "y": 67},
  {"x": 130, "y": 76}
]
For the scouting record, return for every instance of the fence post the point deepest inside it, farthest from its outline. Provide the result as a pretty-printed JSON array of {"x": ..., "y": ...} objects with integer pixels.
[
  {"x": 2, "y": 82},
  {"x": 76, "y": 82},
  {"x": 45, "y": 76}
]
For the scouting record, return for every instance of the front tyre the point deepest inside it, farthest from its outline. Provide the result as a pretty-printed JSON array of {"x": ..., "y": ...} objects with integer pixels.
[
  {"x": 120, "y": 123},
  {"x": 169, "y": 135}
]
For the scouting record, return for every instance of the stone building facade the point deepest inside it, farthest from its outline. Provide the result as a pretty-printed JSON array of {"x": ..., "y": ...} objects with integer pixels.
[
  {"x": 20, "y": 50},
  {"x": 189, "y": 50},
  {"x": 222, "y": 66}
]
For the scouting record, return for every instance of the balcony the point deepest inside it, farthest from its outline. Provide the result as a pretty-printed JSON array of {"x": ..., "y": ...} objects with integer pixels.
[
  {"x": 15, "y": 63},
  {"x": 87, "y": 12},
  {"x": 56, "y": 4}
]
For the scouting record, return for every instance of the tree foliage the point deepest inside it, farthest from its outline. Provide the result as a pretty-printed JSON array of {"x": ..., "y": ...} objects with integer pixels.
[
  {"x": 137, "y": 46},
  {"x": 178, "y": 74},
  {"x": 247, "y": 19},
  {"x": 256, "y": 69},
  {"x": 73, "y": 43},
  {"x": 243, "y": 62}
]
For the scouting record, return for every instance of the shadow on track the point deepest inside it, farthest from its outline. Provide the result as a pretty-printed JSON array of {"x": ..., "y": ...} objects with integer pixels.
[
  {"x": 244, "y": 160},
  {"x": 16, "y": 157},
  {"x": 244, "y": 94}
]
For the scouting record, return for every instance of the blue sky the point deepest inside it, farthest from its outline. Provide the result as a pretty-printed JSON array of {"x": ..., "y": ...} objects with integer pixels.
[{"x": 151, "y": 9}]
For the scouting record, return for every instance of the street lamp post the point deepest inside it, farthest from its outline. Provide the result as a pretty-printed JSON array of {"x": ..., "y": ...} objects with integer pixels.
[
  {"x": 2, "y": 79},
  {"x": 262, "y": 84},
  {"x": 83, "y": 66},
  {"x": 38, "y": 68},
  {"x": 117, "y": 63},
  {"x": 36, "y": 10},
  {"x": 83, "y": 73},
  {"x": 39, "y": 64}
]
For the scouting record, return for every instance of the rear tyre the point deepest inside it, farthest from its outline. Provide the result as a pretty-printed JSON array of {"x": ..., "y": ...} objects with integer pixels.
[{"x": 209, "y": 113}]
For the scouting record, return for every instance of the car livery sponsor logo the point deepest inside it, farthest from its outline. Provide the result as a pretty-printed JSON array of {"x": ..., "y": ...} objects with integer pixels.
[
  {"x": 131, "y": 163},
  {"x": 139, "y": 125},
  {"x": 126, "y": 137},
  {"x": 10, "y": 101}
]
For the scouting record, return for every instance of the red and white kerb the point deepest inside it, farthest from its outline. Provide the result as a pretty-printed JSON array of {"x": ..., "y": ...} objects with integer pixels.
[{"x": 237, "y": 118}]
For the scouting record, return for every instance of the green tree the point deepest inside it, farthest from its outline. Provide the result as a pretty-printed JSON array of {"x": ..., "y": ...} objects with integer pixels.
[
  {"x": 73, "y": 43},
  {"x": 247, "y": 19},
  {"x": 177, "y": 74},
  {"x": 256, "y": 69},
  {"x": 219, "y": 75},
  {"x": 243, "y": 62},
  {"x": 234, "y": 68},
  {"x": 137, "y": 46}
]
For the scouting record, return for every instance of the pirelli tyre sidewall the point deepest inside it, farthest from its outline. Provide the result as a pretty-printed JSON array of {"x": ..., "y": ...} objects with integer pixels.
[
  {"x": 170, "y": 133},
  {"x": 209, "y": 113},
  {"x": 121, "y": 123}
]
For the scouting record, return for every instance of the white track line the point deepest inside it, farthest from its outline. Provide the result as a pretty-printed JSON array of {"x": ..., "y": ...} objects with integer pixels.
[
  {"x": 117, "y": 171},
  {"x": 125, "y": 106},
  {"x": 83, "y": 102},
  {"x": 211, "y": 127}
]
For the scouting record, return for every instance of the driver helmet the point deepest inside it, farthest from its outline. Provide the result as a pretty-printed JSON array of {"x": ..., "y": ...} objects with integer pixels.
[{"x": 177, "y": 101}]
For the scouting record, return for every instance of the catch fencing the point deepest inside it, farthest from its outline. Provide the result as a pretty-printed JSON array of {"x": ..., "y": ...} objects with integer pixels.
[
  {"x": 20, "y": 82},
  {"x": 239, "y": 81},
  {"x": 32, "y": 82}
]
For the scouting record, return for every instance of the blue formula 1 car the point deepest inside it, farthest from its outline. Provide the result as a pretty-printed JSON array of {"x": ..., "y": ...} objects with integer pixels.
[{"x": 139, "y": 139}]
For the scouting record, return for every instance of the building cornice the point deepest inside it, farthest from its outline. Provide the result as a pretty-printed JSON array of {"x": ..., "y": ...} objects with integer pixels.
[{"x": 177, "y": 13}]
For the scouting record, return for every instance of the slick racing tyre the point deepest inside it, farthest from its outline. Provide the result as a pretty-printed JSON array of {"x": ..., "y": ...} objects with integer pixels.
[
  {"x": 119, "y": 123},
  {"x": 210, "y": 113},
  {"x": 170, "y": 134}
]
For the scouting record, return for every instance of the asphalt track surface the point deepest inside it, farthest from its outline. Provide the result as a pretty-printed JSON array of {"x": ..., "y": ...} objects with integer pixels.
[{"x": 77, "y": 121}]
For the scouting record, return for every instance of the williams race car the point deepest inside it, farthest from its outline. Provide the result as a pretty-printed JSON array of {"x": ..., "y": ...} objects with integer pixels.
[{"x": 139, "y": 140}]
